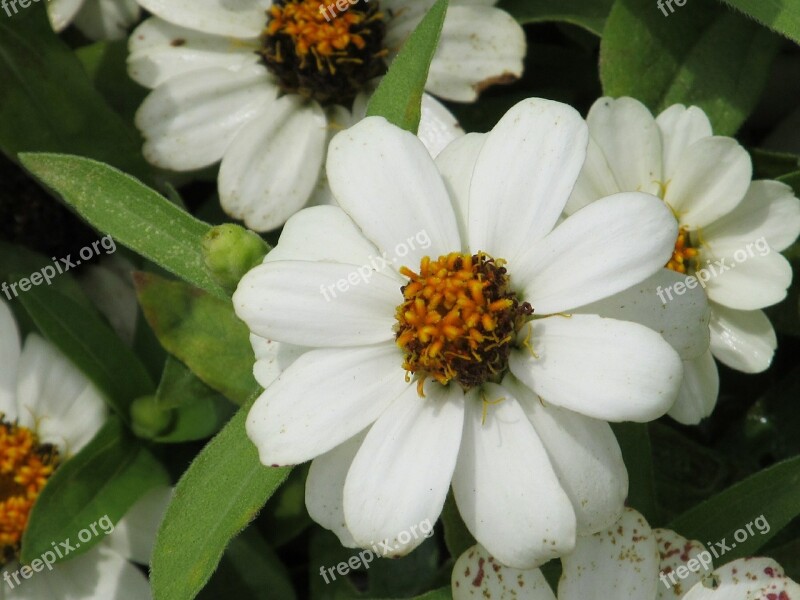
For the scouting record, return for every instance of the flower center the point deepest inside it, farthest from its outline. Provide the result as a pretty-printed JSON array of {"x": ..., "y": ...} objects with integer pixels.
[
  {"x": 322, "y": 51},
  {"x": 25, "y": 467},
  {"x": 684, "y": 254},
  {"x": 458, "y": 319}
]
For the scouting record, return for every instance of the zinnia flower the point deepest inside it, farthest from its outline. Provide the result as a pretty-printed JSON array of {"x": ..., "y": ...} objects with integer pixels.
[
  {"x": 261, "y": 87},
  {"x": 96, "y": 19},
  {"x": 431, "y": 313}
]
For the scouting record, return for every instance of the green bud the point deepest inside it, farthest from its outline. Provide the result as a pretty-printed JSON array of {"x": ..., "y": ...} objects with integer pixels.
[
  {"x": 231, "y": 251},
  {"x": 148, "y": 419}
]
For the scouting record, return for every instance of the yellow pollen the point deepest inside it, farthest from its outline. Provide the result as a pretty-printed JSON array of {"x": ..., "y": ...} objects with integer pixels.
[{"x": 684, "y": 253}]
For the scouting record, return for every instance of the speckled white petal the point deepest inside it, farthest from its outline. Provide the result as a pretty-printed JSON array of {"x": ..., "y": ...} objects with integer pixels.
[
  {"x": 9, "y": 361},
  {"x": 438, "y": 126},
  {"x": 711, "y": 178},
  {"x": 743, "y": 340},
  {"x": 602, "y": 368},
  {"x": 681, "y": 319},
  {"x": 585, "y": 456},
  {"x": 680, "y": 128},
  {"x": 55, "y": 399},
  {"x": 676, "y": 551},
  {"x": 519, "y": 512},
  {"x": 769, "y": 214},
  {"x": 595, "y": 181},
  {"x": 699, "y": 390},
  {"x": 746, "y": 579},
  {"x": 456, "y": 164},
  {"x": 272, "y": 358},
  {"x": 478, "y": 575},
  {"x": 135, "y": 534},
  {"x": 619, "y": 562},
  {"x": 400, "y": 476},
  {"x": 236, "y": 18},
  {"x": 272, "y": 165},
  {"x": 630, "y": 140},
  {"x": 523, "y": 176},
  {"x": 62, "y": 12},
  {"x": 299, "y": 303},
  {"x": 747, "y": 283},
  {"x": 325, "y": 488},
  {"x": 480, "y": 46},
  {"x": 324, "y": 398},
  {"x": 189, "y": 121},
  {"x": 604, "y": 248},
  {"x": 159, "y": 51},
  {"x": 107, "y": 19},
  {"x": 385, "y": 179}
]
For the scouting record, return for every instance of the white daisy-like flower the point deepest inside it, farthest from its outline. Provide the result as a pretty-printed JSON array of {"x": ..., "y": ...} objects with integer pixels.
[
  {"x": 96, "y": 19},
  {"x": 49, "y": 412},
  {"x": 732, "y": 230},
  {"x": 422, "y": 333},
  {"x": 629, "y": 560},
  {"x": 261, "y": 87}
]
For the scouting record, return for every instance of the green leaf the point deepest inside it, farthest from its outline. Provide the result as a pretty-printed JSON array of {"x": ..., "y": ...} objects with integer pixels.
[
  {"x": 782, "y": 16},
  {"x": 771, "y": 493},
  {"x": 285, "y": 516},
  {"x": 220, "y": 493},
  {"x": 702, "y": 54},
  {"x": 81, "y": 334},
  {"x": 634, "y": 441},
  {"x": 47, "y": 102},
  {"x": 456, "y": 535},
  {"x": 106, "y": 477},
  {"x": 202, "y": 331},
  {"x": 130, "y": 212},
  {"x": 589, "y": 14},
  {"x": 399, "y": 95},
  {"x": 772, "y": 165}
]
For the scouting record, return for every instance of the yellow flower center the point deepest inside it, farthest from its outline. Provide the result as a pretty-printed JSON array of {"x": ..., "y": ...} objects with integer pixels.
[
  {"x": 458, "y": 319},
  {"x": 684, "y": 254},
  {"x": 25, "y": 467},
  {"x": 320, "y": 51}
]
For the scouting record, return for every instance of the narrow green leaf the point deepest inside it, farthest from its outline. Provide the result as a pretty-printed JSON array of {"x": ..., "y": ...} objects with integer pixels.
[
  {"x": 771, "y": 493},
  {"x": 702, "y": 54},
  {"x": 782, "y": 16},
  {"x": 220, "y": 493},
  {"x": 91, "y": 344},
  {"x": 634, "y": 441},
  {"x": 130, "y": 212},
  {"x": 399, "y": 95},
  {"x": 202, "y": 331},
  {"x": 589, "y": 14},
  {"x": 106, "y": 477}
]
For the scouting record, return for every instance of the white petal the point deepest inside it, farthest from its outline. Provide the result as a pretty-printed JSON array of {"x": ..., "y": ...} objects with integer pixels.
[
  {"x": 744, "y": 281},
  {"x": 711, "y": 178},
  {"x": 620, "y": 562},
  {"x": 479, "y": 46},
  {"x": 627, "y": 134},
  {"x": 743, "y": 340},
  {"x": 524, "y": 174},
  {"x": 325, "y": 488},
  {"x": 385, "y": 179},
  {"x": 676, "y": 551},
  {"x": 476, "y": 574},
  {"x": 272, "y": 358},
  {"x": 324, "y": 398},
  {"x": 318, "y": 304},
  {"x": 189, "y": 121},
  {"x": 746, "y": 579},
  {"x": 681, "y": 319},
  {"x": 55, "y": 399},
  {"x": 604, "y": 248},
  {"x": 438, "y": 126},
  {"x": 109, "y": 285},
  {"x": 62, "y": 12},
  {"x": 400, "y": 476},
  {"x": 602, "y": 368},
  {"x": 457, "y": 163},
  {"x": 405, "y": 15},
  {"x": 272, "y": 166},
  {"x": 134, "y": 535},
  {"x": 680, "y": 128},
  {"x": 699, "y": 390},
  {"x": 9, "y": 361},
  {"x": 107, "y": 19},
  {"x": 159, "y": 51},
  {"x": 505, "y": 487},
  {"x": 769, "y": 216},
  {"x": 585, "y": 456},
  {"x": 236, "y": 18},
  {"x": 595, "y": 181}
]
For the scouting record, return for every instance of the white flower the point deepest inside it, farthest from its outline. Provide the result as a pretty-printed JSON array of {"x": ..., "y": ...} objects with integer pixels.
[
  {"x": 264, "y": 100},
  {"x": 49, "y": 412},
  {"x": 96, "y": 19},
  {"x": 732, "y": 230},
  {"x": 629, "y": 560},
  {"x": 515, "y": 406}
]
